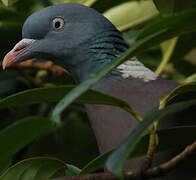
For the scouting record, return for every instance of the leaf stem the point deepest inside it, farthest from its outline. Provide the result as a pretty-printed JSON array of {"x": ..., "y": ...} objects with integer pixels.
[{"x": 167, "y": 55}]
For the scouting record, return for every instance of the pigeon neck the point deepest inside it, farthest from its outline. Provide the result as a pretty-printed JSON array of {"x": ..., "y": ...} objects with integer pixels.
[
  {"x": 101, "y": 49},
  {"x": 106, "y": 46}
]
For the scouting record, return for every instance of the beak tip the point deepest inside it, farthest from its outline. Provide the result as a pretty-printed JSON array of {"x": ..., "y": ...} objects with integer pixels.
[
  {"x": 8, "y": 61},
  {"x": 4, "y": 67},
  {"x": 4, "y": 63}
]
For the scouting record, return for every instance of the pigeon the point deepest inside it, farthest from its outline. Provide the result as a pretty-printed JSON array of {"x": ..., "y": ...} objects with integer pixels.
[{"x": 82, "y": 40}]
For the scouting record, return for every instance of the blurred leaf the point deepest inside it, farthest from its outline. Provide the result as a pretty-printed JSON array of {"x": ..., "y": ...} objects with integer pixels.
[
  {"x": 172, "y": 25},
  {"x": 9, "y": 84},
  {"x": 151, "y": 35},
  {"x": 72, "y": 170},
  {"x": 189, "y": 87},
  {"x": 167, "y": 137},
  {"x": 9, "y": 35},
  {"x": 184, "y": 46},
  {"x": 89, "y": 2},
  {"x": 73, "y": 141},
  {"x": 191, "y": 78},
  {"x": 26, "y": 8},
  {"x": 97, "y": 163},
  {"x": 20, "y": 134},
  {"x": 104, "y": 5},
  {"x": 85, "y": 2},
  {"x": 183, "y": 67},
  {"x": 164, "y": 6},
  {"x": 39, "y": 168},
  {"x": 10, "y": 14},
  {"x": 4, "y": 165},
  {"x": 167, "y": 49},
  {"x": 52, "y": 94},
  {"x": 167, "y": 44},
  {"x": 118, "y": 158},
  {"x": 7, "y": 2},
  {"x": 171, "y": 6},
  {"x": 183, "y": 57},
  {"x": 131, "y": 14}
]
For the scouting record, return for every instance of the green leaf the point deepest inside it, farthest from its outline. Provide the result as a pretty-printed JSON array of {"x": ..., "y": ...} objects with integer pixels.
[
  {"x": 171, "y": 6},
  {"x": 171, "y": 24},
  {"x": 189, "y": 87},
  {"x": 104, "y": 5},
  {"x": 97, "y": 163},
  {"x": 4, "y": 165},
  {"x": 53, "y": 94},
  {"x": 191, "y": 78},
  {"x": 20, "y": 134},
  {"x": 151, "y": 35},
  {"x": 12, "y": 16},
  {"x": 164, "y": 6},
  {"x": 182, "y": 57},
  {"x": 7, "y": 2},
  {"x": 117, "y": 159},
  {"x": 72, "y": 170},
  {"x": 131, "y": 14},
  {"x": 167, "y": 137},
  {"x": 39, "y": 168},
  {"x": 85, "y": 2},
  {"x": 167, "y": 49}
]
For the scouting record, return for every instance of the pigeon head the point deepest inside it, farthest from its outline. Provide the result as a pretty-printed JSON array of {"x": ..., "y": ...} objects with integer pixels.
[{"x": 72, "y": 35}]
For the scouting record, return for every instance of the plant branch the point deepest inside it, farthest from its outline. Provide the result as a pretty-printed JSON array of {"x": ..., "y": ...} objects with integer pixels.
[
  {"x": 40, "y": 65},
  {"x": 153, "y": 172}
]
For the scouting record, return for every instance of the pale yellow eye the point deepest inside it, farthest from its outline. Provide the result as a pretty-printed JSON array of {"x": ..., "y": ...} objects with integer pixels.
[{"x": 58, "y": 23}]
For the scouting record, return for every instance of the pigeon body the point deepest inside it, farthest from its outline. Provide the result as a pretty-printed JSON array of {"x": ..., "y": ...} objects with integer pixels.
[
  {"x": 83, "y": 41},
  {"x": 140, "y": 95}
]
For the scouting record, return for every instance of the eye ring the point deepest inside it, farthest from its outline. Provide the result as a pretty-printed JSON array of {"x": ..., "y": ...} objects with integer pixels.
[{"x": 58, "y": 23}]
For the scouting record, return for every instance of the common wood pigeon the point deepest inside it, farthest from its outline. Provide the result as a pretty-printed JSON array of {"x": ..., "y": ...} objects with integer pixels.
[{"x": 81, "y": 40}]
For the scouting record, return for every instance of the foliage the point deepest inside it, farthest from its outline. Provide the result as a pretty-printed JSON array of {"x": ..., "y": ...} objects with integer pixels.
[
  {"x": 34, "y": 168},
  {"x": 32, "y": 124}
]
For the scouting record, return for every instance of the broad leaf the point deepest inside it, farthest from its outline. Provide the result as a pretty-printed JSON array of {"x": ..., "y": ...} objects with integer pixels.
[
  {"x": 20, "y": 134},
  {"x": 12, "y": 16},
  {"x": 53, "y": 94},
  {"x": 189, "y": 87},
  {"x": 167, "y": 137},
  {"x": 191, "y": 78},
  {"x": 172, "y": 25},
  {"x": 85, "y": 2},
  {"x": 172, "y": 6},
  {"x": 131, "y": 14},
  {"x": 117, "y": 159},
  {"x": 97, "y": 163},
  {"x": 72, "y": 170},
  {"x": 104, "y": 5},
  {"x": 4, "y": 165},
  {"x": 39, "y": 168},
  {"x": 7, "y": 2},
  {"x": 183, "y": 56}
]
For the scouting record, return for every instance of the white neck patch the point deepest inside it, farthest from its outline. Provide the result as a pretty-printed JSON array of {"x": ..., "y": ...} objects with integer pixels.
[{"x": 134, "y": 68}]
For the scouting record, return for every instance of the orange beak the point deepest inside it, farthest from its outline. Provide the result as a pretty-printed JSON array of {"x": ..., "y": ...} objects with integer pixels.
[
  {"x": 9, "y": 60},
  {"x": 16, "y": 54}
]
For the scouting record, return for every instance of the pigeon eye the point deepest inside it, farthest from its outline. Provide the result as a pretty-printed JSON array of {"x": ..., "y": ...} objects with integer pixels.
[{"x": 58, "y": 23}]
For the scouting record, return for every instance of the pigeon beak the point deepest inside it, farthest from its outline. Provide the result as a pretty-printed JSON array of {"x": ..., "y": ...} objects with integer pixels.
[{"x": 19, "y": 50}]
